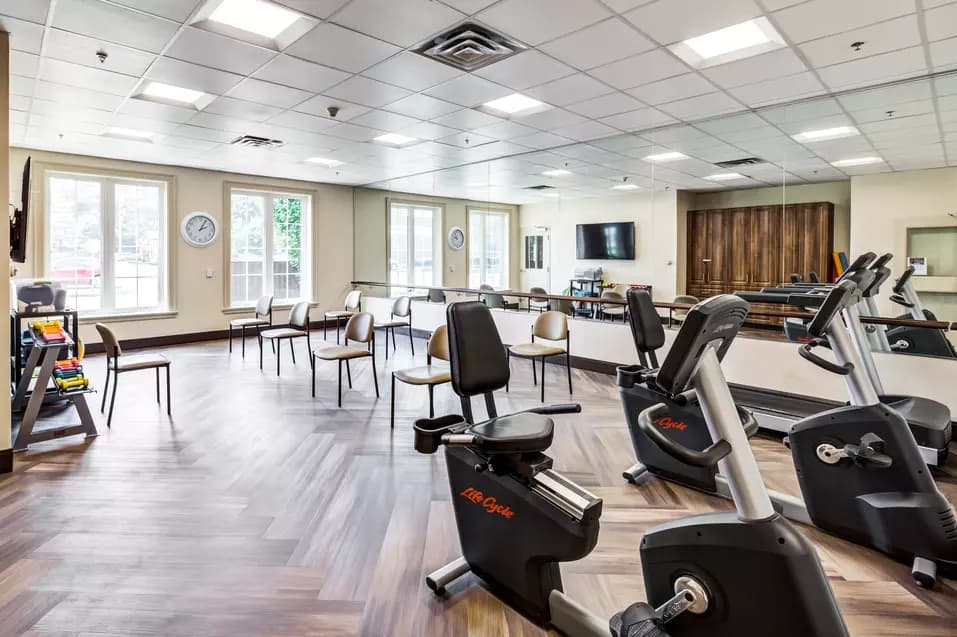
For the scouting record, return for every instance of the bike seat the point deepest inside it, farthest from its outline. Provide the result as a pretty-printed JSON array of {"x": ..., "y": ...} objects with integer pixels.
[{"x": 516, "y": 433}]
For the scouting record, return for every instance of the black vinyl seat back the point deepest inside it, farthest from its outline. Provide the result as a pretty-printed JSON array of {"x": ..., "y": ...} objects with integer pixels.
[
  {"x": 476, "y": 355},
  {"x": 646, "y": 328},
  {"x": 712, "y": 323}
]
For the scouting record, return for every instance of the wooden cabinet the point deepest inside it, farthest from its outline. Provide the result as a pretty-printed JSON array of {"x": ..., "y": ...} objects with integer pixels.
[{"x": 749, "y": 248}]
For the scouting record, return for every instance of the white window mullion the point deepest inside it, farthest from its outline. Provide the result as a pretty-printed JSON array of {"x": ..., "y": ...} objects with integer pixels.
[
  {"x": 268, "y": 230},
  {"x": 108, "y": 279},
  {"x": 410, "y": 253}
]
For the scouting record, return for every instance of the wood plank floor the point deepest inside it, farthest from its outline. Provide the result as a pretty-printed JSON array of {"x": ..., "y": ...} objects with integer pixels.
[{"x": 258, "y": 510}]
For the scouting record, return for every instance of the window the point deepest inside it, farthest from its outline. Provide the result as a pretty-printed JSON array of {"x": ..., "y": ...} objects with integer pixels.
[
  {"x": 107, "y": 241},
  {"x": 267, "y": 246},
  {"x": 488, "y": 249},
  {"x": 414, "y": 243}
]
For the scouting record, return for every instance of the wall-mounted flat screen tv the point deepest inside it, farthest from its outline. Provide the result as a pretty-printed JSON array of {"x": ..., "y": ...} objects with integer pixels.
[{"x": 606, "y": 240}]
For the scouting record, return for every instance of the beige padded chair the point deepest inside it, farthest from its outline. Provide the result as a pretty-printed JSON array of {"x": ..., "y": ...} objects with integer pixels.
[
  {"x": 429, "y": 375},
  {"x": 551, "y": 326},
  {"x": 263, "y": 318},
  {"x": 609, "y": 310},
  {"x": 353, "y": 305},
  {"x": 680, "y": 315},
  {"x": 402, "y": 308},
  {"x": 358, "y": 329},
  {"x": 117, "y": 364},
  {"x": 538, "y": 304},
  {"x": 298, "y": 328}
]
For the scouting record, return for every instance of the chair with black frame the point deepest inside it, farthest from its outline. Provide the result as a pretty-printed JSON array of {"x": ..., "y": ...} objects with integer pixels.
[
  {"x": 358, "y": 329},
  {"x": 538, "y": 304},
  {"x": 298, "y": 328},
  {"x": 262, "y": 318},
  {"x": 117, "y": 364},
  {"x": 550, "y": 326},
  {"x": 352, "y": 305},
  {"x": 430, "y": 375},
  {"x": 496, "y": 301},
  {"x": 436, "y": 296},
  {"x": 612, "y": 310},
  {"x": 402, "y": 308},
  {"x": 680, "y": 314}
]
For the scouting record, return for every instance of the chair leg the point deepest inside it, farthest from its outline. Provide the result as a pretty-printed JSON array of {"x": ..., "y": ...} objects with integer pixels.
[
  {"x": 534, "y": 375},
  {"x": 272, "y": 345},
  {"x": 278, "y": 356},
  {"x": 431, "y": 401},
  {"x": 106, "y": 386},
  {"x": 169, "y": 402},
  {"x": 324, "y": 319},
  {"x": 393, "y": 340},
  {"x": 392, "y": 405},
  {"x": 109, "y": 417},
  {"x": 261, "y": 351},
  {"x": 375, "y": 377},
  {"x": 508, "y": 363},
  {"x": 387, "y": 343},
  {"x": 243, "y": 332},
  {"x": 293, "y": 350},
  {"x": 568, "y": 370},
  {"x": 543, "y": 377},
  {"x": 411, "y": 342},
  {"x": 340, "y": 382},
  {"x": 313, "y": 358},
  {"x": 229, "y": 328},
  {"x": 349, "y": 373},
  {"x": 338, "y": 322},
  {"x": 157, "y": 385}
]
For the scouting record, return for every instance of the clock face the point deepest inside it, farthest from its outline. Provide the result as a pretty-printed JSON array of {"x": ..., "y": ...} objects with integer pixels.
[
  {"x": 456, "y": 238},
  {"x": 199, "y": 229}
]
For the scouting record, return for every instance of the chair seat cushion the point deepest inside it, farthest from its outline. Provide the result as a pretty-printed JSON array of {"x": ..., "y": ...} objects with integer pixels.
[
  {"x": 536, "y": 349},
  {"x": 340, "y": 352},
  {"x": 392, "y": 324},
  {"x": 339, "y": 314},
  {"x": 516, "y": 433},
  {"x": 282, "y": 332},
  {"x": 140, "y": 361},
  {"x": 427, "y": 375},
  {"x": 613, "y": 309},
  {"x": 247, "y": 322}
]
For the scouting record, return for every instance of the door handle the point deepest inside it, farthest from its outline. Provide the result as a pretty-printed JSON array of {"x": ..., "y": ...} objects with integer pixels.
[{"x": 706, "y": 260}]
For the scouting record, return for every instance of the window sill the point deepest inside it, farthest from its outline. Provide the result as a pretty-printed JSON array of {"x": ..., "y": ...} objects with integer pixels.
[
  {"x": 252, "y": 308},
  {"x": 122, "y": 317}
]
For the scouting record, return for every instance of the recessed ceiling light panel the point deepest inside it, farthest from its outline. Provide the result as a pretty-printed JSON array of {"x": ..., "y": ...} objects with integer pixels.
[
  {"x": 394, "y": 139},
  {"x": 856, "y": 161},
  {"x": 558, "y": 172},
  {"x": 826, "y": 134},
  {"x": 129, "y": 133},
  {"x": 666, "y": 157},
  {"x": 322, "y": 161},
  {"x": 725, "y": 177},
  {"x": 625, "y": 187},
  {"x": 157, "y": 91},
  {"x": 735, "y": 42},
  {"x": 261, "y": 22},
  {"x": 514, "y": 103}
]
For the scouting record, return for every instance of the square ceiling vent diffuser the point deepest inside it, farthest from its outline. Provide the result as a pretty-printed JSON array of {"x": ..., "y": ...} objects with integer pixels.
[{"x": 469, "y": 46}]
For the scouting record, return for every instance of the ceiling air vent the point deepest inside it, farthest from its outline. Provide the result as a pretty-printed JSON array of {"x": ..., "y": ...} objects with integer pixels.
[
  {"x": 469, "y": 46},
  {"x": 540, "y": 187},
  {"x": 252, "y": 141},
  {"x": 738, "y": 163}
]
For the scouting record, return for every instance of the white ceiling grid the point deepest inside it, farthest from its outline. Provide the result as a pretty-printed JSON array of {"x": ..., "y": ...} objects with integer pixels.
[{"x": 602, "y": 65}]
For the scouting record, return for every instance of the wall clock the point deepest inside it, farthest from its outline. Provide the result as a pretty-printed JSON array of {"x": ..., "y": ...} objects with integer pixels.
[
  {"x": 199, "y": 229},
  {"x": 456, "y": 238}
]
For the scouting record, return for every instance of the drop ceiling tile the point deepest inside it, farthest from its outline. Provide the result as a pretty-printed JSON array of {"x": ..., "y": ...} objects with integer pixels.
[
  {"x": 943, "y": 54},
  {"x": 113, "y": 23},
  {"x": 640, "y": 69},
  {"x": 24, "y": 36},
  {"x": 192, "y": 76},
  {"x": 20, "y": 103},
  {"x": 185, "y": 143},
  {"x": 177, "y": 10},
  {"x": 746, "y": 121},
  {"x": 319, "y": 105},
  {"x": 429, "y": 130},
  {"x": 639, "y": 119},
  {"x": 880, "y": 112},
  {"x": 220, "y": 122},
  {"x": 876, "y": 68},
  {"x": 755, "y": 69},
  {"x": 306, "y": 76},
  {"x": 20, "y": 85},
  {"x": 76, "y": 96},
  {"x": 701, "y": 106},
  {"x": 422, "y": 107},
  {"x": 412, "y": 71},
  {"x": 144, "y": 124},
  {"x": 467, "y": 119},
  {"x": 506, "y": 130},
  {"x": 204, "y": 134},
  {"x": 253, "y": 90},
  {"x": 941, "y": 22},
  {"x": 22, "y": 63},
  {"x": 334, "y": 46},
  {"x": 526, "y": 69},
  {"x": 303, "y": 121},
  {"x": 33, "y": 11},
  {"x": 466, "y": 140},
  {"x": 384, "y": 120},
  {"x": 899, "y": 33},
  {"x": 599, "y": 44},
  {"x": 85, "y": 76},
  {"x": 669, "y": 21},
  {"x": 469, "y": 7},
  {"x": 403, "y": 23},
  {"x": 553, "y": 118},
  {"x": 361, "y": 90},
  {"x": 242, "y": 109},
  {"x": 673, "y": 88},
  {"x": 353, "y": 132},
  {"x": 606, "y": 105},
  {"x": 318, "y": 8},
  {"x": 585, "y": 131},
  {"x": 152, "y": 110},
  {"x": 468, "y": 91},
  {"x": 624, "y": 5},
  {"x": 802, "y": 111},
  {"x": 537, "y": 21},
  {"x": 791, "y": 87},
  {"x": 541, "y": 139},
  {"x": 569, "y": 89},
  {"x": 819, "y": 18},
  {"x": 217, "y": 51},
  {"x": 79, "y": 49}
]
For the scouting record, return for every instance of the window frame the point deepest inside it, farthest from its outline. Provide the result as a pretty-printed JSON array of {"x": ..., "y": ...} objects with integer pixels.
[
  {"x": 40, "y": 240},
  {"x": 310, "y": 274},
  {"x": 438, "y": 242},
  {"x": 507, "y": 252}
]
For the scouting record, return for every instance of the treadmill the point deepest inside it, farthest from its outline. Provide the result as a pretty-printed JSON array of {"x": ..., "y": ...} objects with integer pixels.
[
  {"x": 916, "y": 340},
  {"x": 929, "y": 420}
]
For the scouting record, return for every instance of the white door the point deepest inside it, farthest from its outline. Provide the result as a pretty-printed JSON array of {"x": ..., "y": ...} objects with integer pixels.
[{"x": 536, "y": 253}]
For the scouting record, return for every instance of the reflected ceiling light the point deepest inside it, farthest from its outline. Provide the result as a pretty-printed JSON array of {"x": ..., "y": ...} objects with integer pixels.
[
  {"x": 558, "y": 172},
  {"x": 514, "y": 103},
  {"x": 735, "y": 42},
  {"x": 256, "y": 16},
  {"x": 856, "y": 161},
  {"x": 825, "y": 134},
  {"x": 662, "y": 157},
  {"x": 130, "y": 133},
  {"x": 322, "y": 161},
  {"x": 551, "y": 195},
  {"x": 173, "y": 93},
  {"x": 625, "y": 187},
  {"x": 725, "y": 176},
  {"x": 394, "y": 139}
]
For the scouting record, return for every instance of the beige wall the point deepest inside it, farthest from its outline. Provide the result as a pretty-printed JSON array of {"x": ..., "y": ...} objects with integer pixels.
[
  {"x": 371, "y": 218},
  {"x": 656, "y": 230},
  {"x": 5, "y": 416},
  {"x": 837, "y": 192},
  {"x": 199, "y": 301}
]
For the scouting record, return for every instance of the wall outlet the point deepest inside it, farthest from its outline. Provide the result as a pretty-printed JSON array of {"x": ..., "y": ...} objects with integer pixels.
[
  {"x": 451, "y": 268},
  {"x": 209, "y": 273}
]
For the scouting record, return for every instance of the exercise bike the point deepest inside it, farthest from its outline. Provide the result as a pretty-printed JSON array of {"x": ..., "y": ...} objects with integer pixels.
[
  {"x": 859, "y": 468},
  {"x": 714, "y": 575}
]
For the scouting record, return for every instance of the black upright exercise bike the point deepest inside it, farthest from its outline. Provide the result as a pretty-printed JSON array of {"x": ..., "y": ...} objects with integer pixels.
[{"x": 747, "y": 573}]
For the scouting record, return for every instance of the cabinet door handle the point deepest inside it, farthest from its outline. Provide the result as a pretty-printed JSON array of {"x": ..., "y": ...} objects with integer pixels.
[{"x": 706, "y": 260}]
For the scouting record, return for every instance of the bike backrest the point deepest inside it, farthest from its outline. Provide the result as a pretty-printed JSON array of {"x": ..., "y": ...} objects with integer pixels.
[{"x": 476, "y": 356}]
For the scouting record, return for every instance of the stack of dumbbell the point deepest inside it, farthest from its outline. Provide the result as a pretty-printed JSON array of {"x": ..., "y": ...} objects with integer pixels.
[{"x": 68, "y": 374}]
